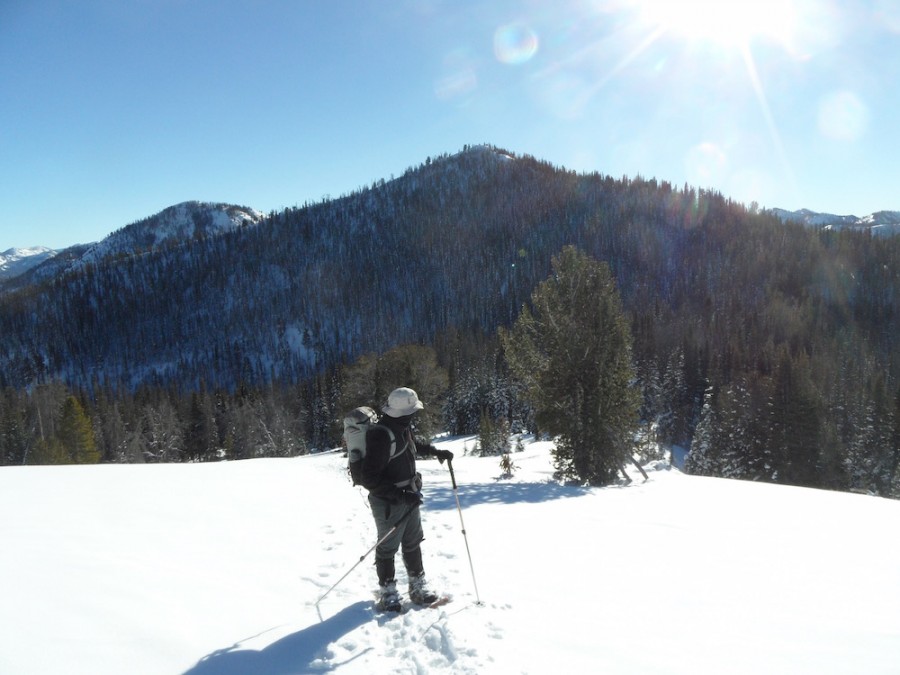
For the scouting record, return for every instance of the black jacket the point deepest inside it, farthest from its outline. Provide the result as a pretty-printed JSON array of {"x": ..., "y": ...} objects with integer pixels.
[{"x": 384, "y": 478}]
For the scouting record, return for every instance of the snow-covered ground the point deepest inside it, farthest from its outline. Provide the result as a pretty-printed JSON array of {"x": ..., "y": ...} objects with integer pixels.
[{"x": 216, "y": 569}]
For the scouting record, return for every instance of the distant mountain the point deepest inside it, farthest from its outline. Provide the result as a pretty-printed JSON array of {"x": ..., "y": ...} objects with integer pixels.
[
  {"x": 176, "y": 224},
  {"x": 172, "y": 226},
  {"x": 16, "y": 261},
  {"x": 883, "y": 223}
]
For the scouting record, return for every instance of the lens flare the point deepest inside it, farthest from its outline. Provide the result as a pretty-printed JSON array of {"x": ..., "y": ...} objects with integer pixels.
[
  {"x": 456, "y": 85},
  {"x": 459, "y": 77},
  {"x": 843, "y": 116},
  {"x": 888, "y": 13},
  {"x": 705, "y": 163},
  {"x": 515, "y": 43}
]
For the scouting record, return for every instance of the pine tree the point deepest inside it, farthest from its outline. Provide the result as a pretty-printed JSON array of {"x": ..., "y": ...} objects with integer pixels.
[
  {"x": 795, "y": 423},
  {"x": 892, "y": 488},
  {"x": 163, "y": 433},
  {"x": 882, "y": 448},
  {"x": 14, "y": 439},
  {"x": 76, "y": 433},
  {"x": 493, "y": 435},
  {"x": 112, "y": 431},
  {"x": 49, "y": 451},
  {"x": 572, "y": 350},
  {"x": 201, "y": 434},
  {"x": 701, "y": 459}
]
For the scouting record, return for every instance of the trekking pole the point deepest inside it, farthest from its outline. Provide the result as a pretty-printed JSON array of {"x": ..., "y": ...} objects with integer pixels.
[
  {"x": 459, "y": 508},
  {"x": 363, "y": 556}
]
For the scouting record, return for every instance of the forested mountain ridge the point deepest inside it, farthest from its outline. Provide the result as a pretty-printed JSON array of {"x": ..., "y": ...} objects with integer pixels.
[{"x": 772, "y": 345}]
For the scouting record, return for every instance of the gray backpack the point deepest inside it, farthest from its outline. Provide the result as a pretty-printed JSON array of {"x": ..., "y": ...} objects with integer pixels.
[{"x": 356, "y": 423}]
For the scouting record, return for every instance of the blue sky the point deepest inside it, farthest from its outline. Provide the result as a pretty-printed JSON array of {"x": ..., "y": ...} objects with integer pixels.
[{"x": 112, "y": 110}]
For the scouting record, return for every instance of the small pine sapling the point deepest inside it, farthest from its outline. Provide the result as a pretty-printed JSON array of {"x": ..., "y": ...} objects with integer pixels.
[{"x": 507, "y": 466}]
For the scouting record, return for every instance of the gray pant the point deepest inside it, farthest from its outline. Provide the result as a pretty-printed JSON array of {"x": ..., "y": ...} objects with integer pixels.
[{"x": 408, "y": 534}]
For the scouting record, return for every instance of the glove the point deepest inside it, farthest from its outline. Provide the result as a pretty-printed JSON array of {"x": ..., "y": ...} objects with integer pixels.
[
  {"x": 442, "y": 455},
  {"x": 411, "y": 498}
]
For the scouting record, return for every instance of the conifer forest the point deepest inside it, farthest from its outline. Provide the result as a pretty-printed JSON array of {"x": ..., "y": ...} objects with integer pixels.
[{"x": 769, "y": 349}]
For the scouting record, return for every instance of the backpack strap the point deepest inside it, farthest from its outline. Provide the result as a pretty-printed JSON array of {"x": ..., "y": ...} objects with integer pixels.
[
  {"x": 394, "y": 453},
  {"x": 408, "y": 445}
]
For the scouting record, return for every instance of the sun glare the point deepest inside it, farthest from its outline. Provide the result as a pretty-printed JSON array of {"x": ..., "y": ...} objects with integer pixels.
[{"x": 725, "y": 22}]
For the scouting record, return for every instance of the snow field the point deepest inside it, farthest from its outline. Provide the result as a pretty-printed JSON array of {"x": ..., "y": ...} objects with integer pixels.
[{"x": 216, "y": 569}]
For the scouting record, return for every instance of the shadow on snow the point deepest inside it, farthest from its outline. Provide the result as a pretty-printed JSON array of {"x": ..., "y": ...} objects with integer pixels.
[
  {"x": 473, "y": 494},
  {"x": 304, "y": 650},
  {"x": 294, "y": 653}
]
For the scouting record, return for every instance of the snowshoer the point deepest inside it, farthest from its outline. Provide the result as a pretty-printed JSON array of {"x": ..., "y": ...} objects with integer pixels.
[{"x": 395, "y": 496}]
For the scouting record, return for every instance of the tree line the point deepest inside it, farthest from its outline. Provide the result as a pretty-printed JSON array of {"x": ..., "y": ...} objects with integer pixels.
[
  {"x": 571, "y": 358},
  {"x": 769, "y": 348},
  {"x": 54, "y": 424}
]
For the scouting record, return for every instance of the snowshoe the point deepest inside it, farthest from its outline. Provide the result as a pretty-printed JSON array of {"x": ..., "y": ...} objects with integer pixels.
[
  {"x": 389, "y": 599},
  {"x": 419, "y": 593}
]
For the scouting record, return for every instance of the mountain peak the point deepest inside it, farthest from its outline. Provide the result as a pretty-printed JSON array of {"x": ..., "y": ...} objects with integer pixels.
[
  {"x": 178, "y": 223},
  {"x": 171, "y": 226},
  {"x": 16, "y": 261}
]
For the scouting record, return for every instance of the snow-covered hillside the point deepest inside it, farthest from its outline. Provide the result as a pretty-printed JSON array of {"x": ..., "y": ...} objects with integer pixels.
[
  {"x": 173, "y": 225},
  {"x": 216, "y": 569},
  {"x": 884, "y": 223},
  {"x": 177, "y": 223},
  {"x": 16, "y": 261}
]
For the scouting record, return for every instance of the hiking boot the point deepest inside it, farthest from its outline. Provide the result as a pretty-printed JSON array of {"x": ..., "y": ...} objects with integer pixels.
[
  {"x": 389, "y": 599},
  {"x": 419, "y": 592}
]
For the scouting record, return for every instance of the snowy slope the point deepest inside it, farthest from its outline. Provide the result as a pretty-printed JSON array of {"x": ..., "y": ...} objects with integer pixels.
[
  {"x": 16, "y": 261},
  {"x": 885, "y": 223},
  {"x": 175, "y": 224},
  {"x": 216, "y": 568},
  {"x": 170, "y": 227}
]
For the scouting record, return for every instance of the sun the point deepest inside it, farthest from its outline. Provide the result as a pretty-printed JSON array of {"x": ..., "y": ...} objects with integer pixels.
[
  {"x": 733, "y": 27},
  {"x": 729, "y": 23}
]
